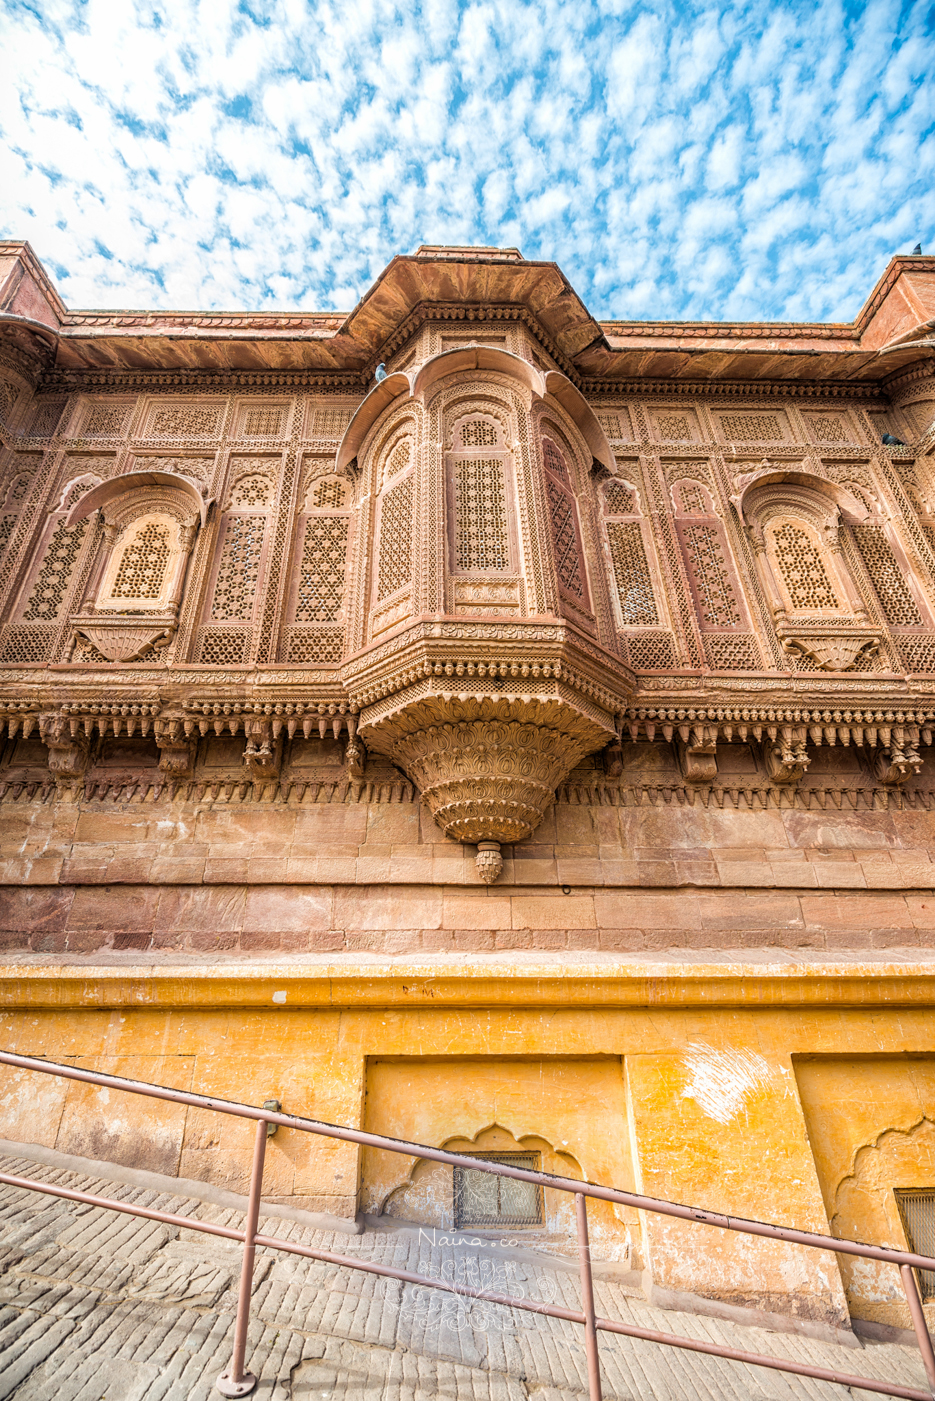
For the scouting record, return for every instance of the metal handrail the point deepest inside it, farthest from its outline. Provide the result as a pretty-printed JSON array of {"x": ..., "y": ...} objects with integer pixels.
[{"x": 236, "y": 1381}]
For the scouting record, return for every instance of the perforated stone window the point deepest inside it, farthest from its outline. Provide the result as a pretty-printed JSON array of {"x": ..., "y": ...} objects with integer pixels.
[
  {"x": 46, "y": 599},
  {"x": 330, "y": 423},
  {"x": 185, "y": 421},
  {"x": 565, "y": 540},
  {"x": 752, "y": 427},
  {"x": 329, "y": 495},
  {"x": 707, "y": 567},
  {"x": 239, "y": 569},
  {"x": 481, "y": 527},
  {"x": 105, "y": 420},
  {"x": 674, "y": 428},
  {"x": 483, "y": 1199},
  {"x": 479, "y": 433},
  {"x": 322, "y": 569},
  {"x": 692, "y": 499},
  {"x": 264, "y": 422},
  {"x": 802, "y": 568},
  {"x": 917, "y": 1211},
  {"x": 619, "y": 500},
  {"x": 46, "y": 418},
  {"x": 143, "y": 563},
  {"x": 554, "y": 459},
  {"x": 398, "y": 459},
  {"x": 829, "y": 428},
  {"x": 255, "y": 490},
  {"x": 632, "y": 574},
  {"x": 899, "y": 607},
  {"x": 395, "y": 567}
]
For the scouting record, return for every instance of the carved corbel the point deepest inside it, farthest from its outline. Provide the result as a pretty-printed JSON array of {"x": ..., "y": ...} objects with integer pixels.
[
  {"x": 613, "y": 759},
  {"x": 697, "y": 754},
  {"x": 262, "y": 757},
  {"x": 355, "y": 756},
  {"x": 897, "y": 761},
  {"x": 785, "y": 758},
  {"x": 176, "y": 751},
  {"x": 66, "y": 743}
]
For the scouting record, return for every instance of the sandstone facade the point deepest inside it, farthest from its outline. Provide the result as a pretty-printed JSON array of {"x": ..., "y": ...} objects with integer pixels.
[{"x": 525, "y": 748}]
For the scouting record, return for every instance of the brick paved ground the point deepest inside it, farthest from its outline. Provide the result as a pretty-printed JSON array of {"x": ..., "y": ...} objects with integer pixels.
[{"x": 95, "y": 1305}]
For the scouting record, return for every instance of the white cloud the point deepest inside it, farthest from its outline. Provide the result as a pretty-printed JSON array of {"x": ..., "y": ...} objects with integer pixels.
[{"x": 677, "y": 160}]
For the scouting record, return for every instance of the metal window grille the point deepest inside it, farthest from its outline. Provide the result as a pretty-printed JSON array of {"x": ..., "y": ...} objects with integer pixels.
[
  {"x": 484, "y": 1200},
  {"x": 917, "y": 1210}
]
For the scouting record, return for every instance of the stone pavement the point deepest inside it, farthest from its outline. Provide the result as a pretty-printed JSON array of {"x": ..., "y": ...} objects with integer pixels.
[{"x": 96, "y": 1305}]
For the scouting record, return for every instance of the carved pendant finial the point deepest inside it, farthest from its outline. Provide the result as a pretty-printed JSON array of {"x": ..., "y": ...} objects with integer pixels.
[{"x": 488, "y": 861}]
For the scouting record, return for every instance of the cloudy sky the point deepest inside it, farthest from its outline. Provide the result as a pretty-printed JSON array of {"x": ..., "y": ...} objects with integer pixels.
[{"x": 677, "y": 160}]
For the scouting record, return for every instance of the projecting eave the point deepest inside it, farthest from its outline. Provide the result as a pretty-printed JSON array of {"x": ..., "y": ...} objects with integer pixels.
[{"x": 472, "y": 288}]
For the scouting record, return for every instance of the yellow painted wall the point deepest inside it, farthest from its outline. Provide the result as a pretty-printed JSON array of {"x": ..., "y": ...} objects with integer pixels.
[
  {"x": 871, "y": 1122},
  {"x": 698, "y": 1103}
]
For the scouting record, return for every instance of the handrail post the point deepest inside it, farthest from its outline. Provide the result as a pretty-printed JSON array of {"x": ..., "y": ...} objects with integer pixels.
[
  {"x": 917, "y": 1314},
  {"x": 235, "y": 1381},
  {"x": 587, "y": 1298}
]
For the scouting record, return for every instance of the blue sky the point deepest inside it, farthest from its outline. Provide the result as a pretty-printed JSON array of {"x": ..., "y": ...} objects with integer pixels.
[{"x": 742, "y": 160}]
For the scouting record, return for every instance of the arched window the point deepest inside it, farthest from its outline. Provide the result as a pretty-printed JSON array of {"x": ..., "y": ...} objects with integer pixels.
[
  {"x": 822, "y": 620},
  {"x": 319, "y": 573}
]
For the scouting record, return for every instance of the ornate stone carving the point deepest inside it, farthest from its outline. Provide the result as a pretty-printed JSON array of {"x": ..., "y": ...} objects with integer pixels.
[
  {"x": 120, "y": 640},
  {"x": 785, "y": 758},
  {"x": 698, "y": 757},
  {"x": 838, "y": 650},
  {"x": 176, "y": 750},
  {"x": 488, "y": 861},
  {"x": 897, "y": 761},
  {"x": 262, "y": 756},
  {"x": 66, "y": 743}
]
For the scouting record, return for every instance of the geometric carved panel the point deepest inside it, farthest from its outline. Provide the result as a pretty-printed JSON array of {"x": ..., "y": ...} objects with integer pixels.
[
  {"x": 631, "y": 575},
  {"x": 899, "y": 607},
  {"x": 322, "y": 570}
]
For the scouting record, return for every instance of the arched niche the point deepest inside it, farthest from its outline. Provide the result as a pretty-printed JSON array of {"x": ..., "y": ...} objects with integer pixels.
[
  {"x": 150, "y": 523},
  {"x": 793, "y": 521}
]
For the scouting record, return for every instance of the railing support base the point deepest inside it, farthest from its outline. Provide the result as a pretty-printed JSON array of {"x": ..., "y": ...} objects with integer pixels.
[{"x": 227, "y": 1387}]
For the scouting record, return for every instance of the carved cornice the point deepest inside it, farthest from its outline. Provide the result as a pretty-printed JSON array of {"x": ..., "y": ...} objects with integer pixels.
[
  {"x": 118, "y": 381},
  {"x": 741, "y": 389}
]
